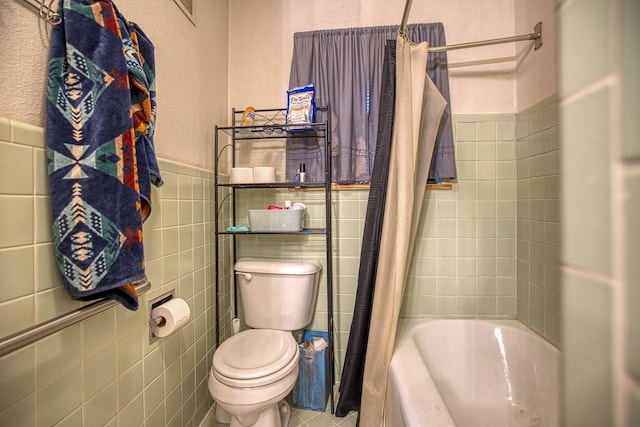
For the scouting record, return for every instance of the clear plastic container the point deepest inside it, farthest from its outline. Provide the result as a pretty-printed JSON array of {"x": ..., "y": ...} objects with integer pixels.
[{"x": 274, "y": 220}]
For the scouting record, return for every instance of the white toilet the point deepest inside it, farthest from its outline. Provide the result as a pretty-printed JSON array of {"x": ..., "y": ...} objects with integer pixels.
[{"x": 256, "y": 369}]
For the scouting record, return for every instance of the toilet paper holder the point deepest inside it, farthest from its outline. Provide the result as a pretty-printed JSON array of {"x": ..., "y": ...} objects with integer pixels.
[{"x": 158, "y": 321}]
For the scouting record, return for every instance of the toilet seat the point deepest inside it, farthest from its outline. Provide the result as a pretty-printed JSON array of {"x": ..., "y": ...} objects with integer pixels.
[{"x": 255, "y": 357}]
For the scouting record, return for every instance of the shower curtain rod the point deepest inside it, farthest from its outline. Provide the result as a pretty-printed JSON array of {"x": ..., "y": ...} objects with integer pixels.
[
  {"x": 42, "y": 330},
  {"x": 536, "y": 36}
]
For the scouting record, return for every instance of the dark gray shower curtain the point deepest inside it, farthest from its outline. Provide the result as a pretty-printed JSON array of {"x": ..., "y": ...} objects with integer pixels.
[
  {"x": 353, "y": 369},
  {"x": 346, "y": 67}
]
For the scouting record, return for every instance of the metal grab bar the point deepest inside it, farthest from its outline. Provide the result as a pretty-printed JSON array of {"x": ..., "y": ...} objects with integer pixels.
[{"x": 35, "y": 333}]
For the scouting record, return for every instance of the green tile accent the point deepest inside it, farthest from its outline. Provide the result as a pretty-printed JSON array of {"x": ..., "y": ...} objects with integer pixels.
[
  {"x": 633, "y": 407},
  {"x": 172, "y": 376},
  {"x": 587, "y": 335},
  {"x": 465, "y": 151},
  {"x": 152, "y": 366},
  {"x": 506, "y": 306},
  {"x": 465, "y": 131},
  {"x": 17, "y": 266},
  {"x": 98, "y": 371},
  {"x": 47, "y": 275},
  {"x": 550, "y": 115},
  {"x": 26, "y": 134},
  {"x": 16, "y": 169},
  {"x": 522, "y": 127},
  {"x": 129, "y": 384},
  {"x": 102, "y": 407},
  {"x": 537, "y": 153},
  {"x": 156, "y": 417},
  {"x": 505, "y": 151},
  {"x": 535, "y": 121},
  {"x": 586, "y": 183},
  {"x": 98, "y": 333},
  {"x": 466, "y": 266},
  {"x": 57, "y": 355},
  {"x": 16, "y": 227},
  {"x": 132, "y": 414},
  {"x": 22, "y": 414},
  {"x": 486, "y": 131},
  {"x": 53, "y": 302},
  {"x": 506, "y": 132},
  {"x": 93, "y": 344},
  {"x": 486, "y": 306},
  {"x": 632, "y": 254},
  {"x": 59, "y": 399},
  {"x": 505, "y": 170},
  {"x": 16, "y": 315},
  {"x": 185, "y": 187},
  {"x": 5, "y": 130},
  {"x": 446, "y": 306},
  {"x": 486, "y": 170},
  {"x": 43, "y": 233},
  {"x": 465, "y": 306},
  {"x": 154, "y": 393},
  {"x": 630, "y": 83},
  {"x": 72, "y": 420},
  {"x": 18, "y": 377},
  {"x": 185, "y": 212},
  {"x": 169, "y": 212},
  {"x": 578, "y": 64}
]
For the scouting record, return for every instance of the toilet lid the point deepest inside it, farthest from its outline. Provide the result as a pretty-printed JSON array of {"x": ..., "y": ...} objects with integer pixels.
[{"x": 254, "y": 353}]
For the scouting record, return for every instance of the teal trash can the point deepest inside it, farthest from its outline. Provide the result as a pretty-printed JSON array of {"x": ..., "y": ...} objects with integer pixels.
[{"x": 312, "y": 387}]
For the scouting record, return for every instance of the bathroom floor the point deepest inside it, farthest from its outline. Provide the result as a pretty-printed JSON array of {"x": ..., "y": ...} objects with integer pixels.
[{"x": 302, "y": 418}]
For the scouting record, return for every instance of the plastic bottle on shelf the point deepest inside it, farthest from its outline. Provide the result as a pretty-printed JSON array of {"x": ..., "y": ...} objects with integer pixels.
[
  {"x": 303, "y": 172},
  {"x": 248, "y": 119}
]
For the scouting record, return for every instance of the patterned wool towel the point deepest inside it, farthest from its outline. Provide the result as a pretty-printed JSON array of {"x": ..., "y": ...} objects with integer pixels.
[{"x": 101, "y": 162}]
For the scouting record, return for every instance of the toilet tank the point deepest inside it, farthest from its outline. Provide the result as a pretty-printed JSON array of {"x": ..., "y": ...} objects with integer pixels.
[{"x": 277, "y": 294}]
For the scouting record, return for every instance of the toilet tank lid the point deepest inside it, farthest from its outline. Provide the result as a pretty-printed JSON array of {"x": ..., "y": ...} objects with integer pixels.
[{"x": 277, "y": 266}]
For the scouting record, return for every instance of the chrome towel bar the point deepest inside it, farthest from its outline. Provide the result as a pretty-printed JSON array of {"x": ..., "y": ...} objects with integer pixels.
[{"x": 35, "y": 333}]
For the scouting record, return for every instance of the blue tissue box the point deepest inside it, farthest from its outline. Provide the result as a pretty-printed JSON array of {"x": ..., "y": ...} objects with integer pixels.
[{"x": 314, "y": 377}]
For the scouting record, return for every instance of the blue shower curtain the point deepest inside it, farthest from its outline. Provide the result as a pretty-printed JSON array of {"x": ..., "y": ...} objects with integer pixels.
[{"x": 346, "y": 67}]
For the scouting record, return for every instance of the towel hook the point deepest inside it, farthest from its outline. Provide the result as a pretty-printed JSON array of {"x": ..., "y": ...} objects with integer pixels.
[{"x": 48, "y": 14}]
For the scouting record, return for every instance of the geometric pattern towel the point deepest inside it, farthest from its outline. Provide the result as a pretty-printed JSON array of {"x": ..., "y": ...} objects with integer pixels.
[{"x": 100, "y": 119}]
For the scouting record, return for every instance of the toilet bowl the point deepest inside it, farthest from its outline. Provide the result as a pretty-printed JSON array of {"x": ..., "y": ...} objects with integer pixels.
[{"x": 253, "y": 371}]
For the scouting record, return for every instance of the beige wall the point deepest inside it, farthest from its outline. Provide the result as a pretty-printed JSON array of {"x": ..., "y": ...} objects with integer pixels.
[
  {"x": 191, "y": 70},
  {"x": 261, "y": 42},
  {"x": 536, "y": 71}
]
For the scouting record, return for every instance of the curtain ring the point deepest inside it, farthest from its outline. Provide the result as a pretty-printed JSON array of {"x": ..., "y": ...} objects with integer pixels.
[{"x": 54, "y": 18}]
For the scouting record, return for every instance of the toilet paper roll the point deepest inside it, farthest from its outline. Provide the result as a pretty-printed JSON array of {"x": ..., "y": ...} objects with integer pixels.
[
  {"x": 175, "y": 312},
  {"x": 241, "y": 175},
  {"x": 264, "y": 174}
]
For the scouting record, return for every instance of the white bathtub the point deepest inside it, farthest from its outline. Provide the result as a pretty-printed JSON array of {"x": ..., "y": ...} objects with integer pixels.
[{"x": 471, "y": 373}]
